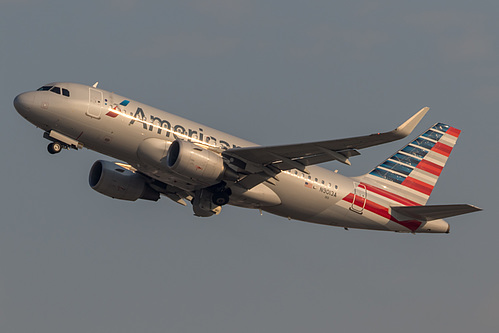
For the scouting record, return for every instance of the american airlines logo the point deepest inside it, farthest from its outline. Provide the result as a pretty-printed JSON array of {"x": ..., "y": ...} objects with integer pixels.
[{"x": 166, "y": 128}]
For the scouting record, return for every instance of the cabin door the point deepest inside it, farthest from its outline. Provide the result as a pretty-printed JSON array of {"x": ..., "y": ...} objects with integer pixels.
[
  {"x": 94, "y": 103},
  {"x": 359, "y": 198}
]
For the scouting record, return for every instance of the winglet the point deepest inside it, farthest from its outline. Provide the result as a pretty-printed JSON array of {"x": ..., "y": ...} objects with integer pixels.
[{"x": 406, "y": 128}]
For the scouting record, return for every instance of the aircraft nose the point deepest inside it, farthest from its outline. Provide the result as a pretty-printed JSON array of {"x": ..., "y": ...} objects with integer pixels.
[{"x": 23, "y": 102}]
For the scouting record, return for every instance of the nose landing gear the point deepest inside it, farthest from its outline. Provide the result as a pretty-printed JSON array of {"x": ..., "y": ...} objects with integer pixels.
[
  {"x": 60, "y": 141},
  {"x": 55, "y": 147}
]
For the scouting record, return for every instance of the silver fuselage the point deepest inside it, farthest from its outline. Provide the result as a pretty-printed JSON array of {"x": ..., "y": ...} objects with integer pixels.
[{"x": 101, "y": 121}]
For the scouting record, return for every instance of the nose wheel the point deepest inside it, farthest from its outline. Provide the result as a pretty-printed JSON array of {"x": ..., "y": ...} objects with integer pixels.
[{"x": 54, "y": 147}]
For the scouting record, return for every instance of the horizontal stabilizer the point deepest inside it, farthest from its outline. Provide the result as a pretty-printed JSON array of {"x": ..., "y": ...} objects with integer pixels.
[{"x": 435, "y": 212}]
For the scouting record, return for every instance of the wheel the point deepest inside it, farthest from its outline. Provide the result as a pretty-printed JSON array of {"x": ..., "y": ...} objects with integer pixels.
[
  {"x": 220, "y": 198},
  {"x": 54, "y": 147}
]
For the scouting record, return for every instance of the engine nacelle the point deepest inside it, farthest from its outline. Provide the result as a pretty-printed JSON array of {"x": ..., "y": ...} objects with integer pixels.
[
  {"x": 119, "y": 183},
  {"x": 200, "y": 165}
]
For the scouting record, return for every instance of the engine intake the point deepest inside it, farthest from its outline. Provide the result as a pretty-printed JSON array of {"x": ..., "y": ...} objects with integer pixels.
[{"x": 110, "y": 179}]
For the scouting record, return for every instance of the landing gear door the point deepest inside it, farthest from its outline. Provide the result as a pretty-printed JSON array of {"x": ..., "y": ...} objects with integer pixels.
[
  {"x": 94, "y": 103},
  {"x": 359, "y": 198}
]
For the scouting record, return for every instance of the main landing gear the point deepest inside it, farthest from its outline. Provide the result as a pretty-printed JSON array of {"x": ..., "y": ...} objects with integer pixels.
[
  {"x": 221, "y": 198},
  {"x": 209, "y": 201},
  {"x": 221, "y": 194}
]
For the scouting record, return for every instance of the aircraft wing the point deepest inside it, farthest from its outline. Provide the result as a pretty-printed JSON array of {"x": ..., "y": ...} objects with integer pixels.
[{"x": 263, "y": 163}]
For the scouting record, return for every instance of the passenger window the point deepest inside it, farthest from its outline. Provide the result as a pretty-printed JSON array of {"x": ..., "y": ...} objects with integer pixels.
[
  {"x": 322, "y": 182},
  {"x": 316, "y": 180},
  {"x": 56, "y": 90},
  {"x": 309, "y": 177},
  {"x": 65, "y": 92}
]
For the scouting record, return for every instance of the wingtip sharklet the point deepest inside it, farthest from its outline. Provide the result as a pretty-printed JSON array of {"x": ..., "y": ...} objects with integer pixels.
[{"x": 408, "y": 126}]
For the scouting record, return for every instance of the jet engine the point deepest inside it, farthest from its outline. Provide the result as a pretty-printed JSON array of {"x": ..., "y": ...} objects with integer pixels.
[
  {"x": 200, "y": 165},
  {"x": 111, "y": 179}
]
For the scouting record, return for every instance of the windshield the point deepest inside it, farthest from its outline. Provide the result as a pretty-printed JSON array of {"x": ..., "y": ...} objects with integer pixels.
[{"x": 55, "y": 90}]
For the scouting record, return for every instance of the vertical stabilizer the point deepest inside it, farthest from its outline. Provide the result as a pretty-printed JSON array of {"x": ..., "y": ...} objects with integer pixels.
[{"x": 413, "y": 171}]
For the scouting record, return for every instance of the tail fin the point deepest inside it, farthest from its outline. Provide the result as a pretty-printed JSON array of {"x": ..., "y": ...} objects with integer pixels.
[{"x": 413, "y": 171}]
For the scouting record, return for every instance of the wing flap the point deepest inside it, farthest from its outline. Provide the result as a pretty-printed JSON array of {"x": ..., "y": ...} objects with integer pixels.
[{"x": 435, "y": 212}]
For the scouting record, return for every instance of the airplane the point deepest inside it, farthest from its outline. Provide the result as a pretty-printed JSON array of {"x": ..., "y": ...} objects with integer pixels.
[{"x": 160, "y": 153}]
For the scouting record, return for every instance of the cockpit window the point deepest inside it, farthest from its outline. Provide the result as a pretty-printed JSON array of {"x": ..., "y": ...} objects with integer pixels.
[
  {"x": 56, "y": 90},
  {"x": 44, "y": 88}
]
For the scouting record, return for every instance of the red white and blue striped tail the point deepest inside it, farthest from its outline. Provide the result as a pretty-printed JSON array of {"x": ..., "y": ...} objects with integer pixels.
[{"x": 413, "y": 171}]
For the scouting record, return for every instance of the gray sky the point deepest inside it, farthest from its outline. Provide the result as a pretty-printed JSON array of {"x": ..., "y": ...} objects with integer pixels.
[{"x": 272, "y": 72}]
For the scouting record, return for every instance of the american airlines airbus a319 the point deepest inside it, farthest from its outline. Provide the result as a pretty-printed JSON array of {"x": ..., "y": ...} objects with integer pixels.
[{"x": 164, "y": 154}]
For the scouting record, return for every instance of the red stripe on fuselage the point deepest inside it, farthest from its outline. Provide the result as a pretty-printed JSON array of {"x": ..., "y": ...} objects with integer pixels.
[
  {"x": 382, "y": 211},
  {"x": 348, "y": 198},
  {"x": 370, "y": 206},
  {"x": 112, "y": 114},
  {"x": 430, "y": 167},
  {"x": 442, "y": 149},
  {"x": 391, "y": 196},
  {"x": 412, "y": 225},
  {"x": 418, "y": 185}
]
